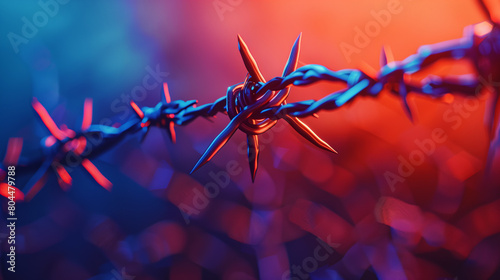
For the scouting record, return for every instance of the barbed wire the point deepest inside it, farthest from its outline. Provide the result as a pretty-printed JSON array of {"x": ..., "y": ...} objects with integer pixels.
[{"x": 255, "y": 105}]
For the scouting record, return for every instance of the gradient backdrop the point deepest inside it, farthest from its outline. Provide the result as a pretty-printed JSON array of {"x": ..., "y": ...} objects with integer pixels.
[{"x": 438, "y": 221}]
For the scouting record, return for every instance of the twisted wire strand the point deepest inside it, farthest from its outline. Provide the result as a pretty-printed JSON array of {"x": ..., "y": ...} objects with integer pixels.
[{"x": 83, "y": 145}]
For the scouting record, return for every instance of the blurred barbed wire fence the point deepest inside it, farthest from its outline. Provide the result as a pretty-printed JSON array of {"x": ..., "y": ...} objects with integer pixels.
[{"x": 255, "y": 105}]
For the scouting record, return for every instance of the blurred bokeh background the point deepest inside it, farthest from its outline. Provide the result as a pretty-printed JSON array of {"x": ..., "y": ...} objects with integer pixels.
[{"x": 393, "y": 204}]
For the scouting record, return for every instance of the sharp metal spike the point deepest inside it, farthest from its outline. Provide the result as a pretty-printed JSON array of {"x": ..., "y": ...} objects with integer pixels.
[
  {"x": 386, "y": 56},
  {"x": 47, "y": 120},
  {"x": 38, "y": 180},
  {"x": 165, "y": 135},
  {"x": 383, "y": 58},
  {"x": 253, "y": 154},
  {"x": 293, "y": 58},
  {"x": 291, "y": 65},
  {"x": 249, "y": 61},
  {"x": 368, "y": 70},
  {"x": 87, "y": 114},
  {"x": 218, "y": 142},
  {"x": 14, "y": 148},
  {"x": 35, "y": 187},
  {"x": 171, "y": 132},
  {"x": 165, "y": 98},
  {"x": 96, "y": 174},
  {"x": 16, "y": 194},
  {"x": 137, "y": 110},
  {"x": 404, "y": 93},
  {"x": 64, "y": 179},
  {"x": 308, "y": 134}
]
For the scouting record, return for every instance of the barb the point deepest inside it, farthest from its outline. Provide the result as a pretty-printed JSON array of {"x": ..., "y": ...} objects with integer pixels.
[{"x": 255, "y": 106}]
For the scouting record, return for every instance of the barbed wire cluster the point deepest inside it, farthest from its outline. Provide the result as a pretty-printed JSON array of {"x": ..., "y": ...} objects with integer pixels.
[{"x": 255, "y": 105}]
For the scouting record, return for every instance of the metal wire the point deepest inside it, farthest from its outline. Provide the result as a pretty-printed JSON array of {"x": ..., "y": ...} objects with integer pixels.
[{"x": 255, "y": 105}]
